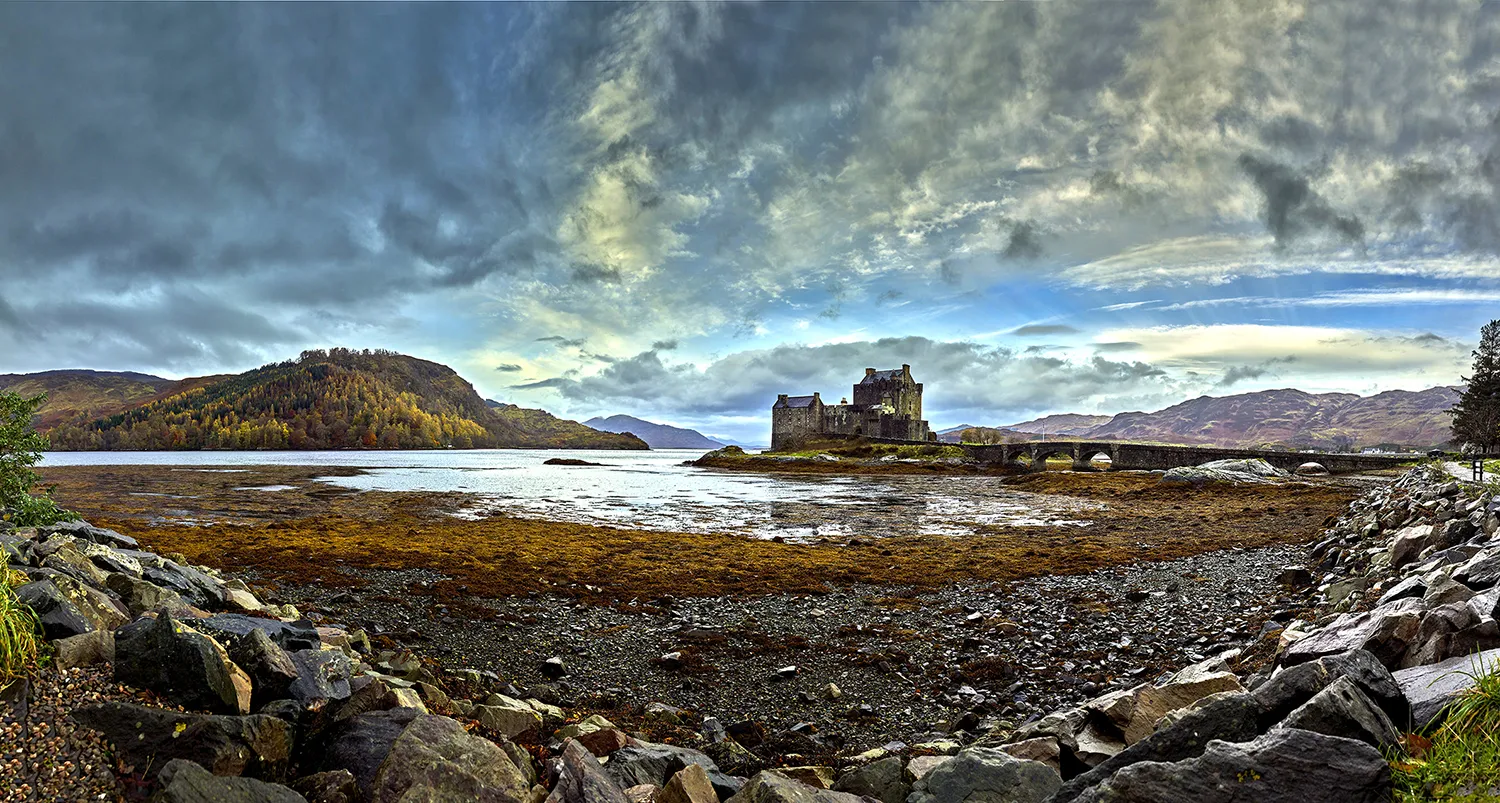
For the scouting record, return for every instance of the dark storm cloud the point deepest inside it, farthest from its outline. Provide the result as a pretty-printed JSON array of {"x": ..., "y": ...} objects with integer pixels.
[
  {"x": 1041, "y": 330},
  {"x": 507, "y": 368},
  {"x": 1292, "y": 209}
]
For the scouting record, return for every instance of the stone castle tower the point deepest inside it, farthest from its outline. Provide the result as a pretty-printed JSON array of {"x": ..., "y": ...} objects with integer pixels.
[{"x": 887, "y": 404}]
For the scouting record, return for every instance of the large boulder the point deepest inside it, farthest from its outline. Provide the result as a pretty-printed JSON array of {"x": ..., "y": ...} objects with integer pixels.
[
  {"x": 987, "y": 775},
  {"x": 580, "y": 779},
  {"x": 1234, "y": 471},
  {"x": 1136, "y": 711},
  {"x": 507, "y": 716},
  {"x": 691, "y": 785},
  {"x": 181, "y": 664},
  {"x": 1233, "y": 718},
  {"x": 1450, "y": 630},
  {"x": 290, "y": 636},
  {"x": 651, "y": 763},
  {"x": 1431, "y": 688},
  {"x": 1481, "y": 571},
  {"x": 186, "y": 782},
  {"x": 84, "y": 649},
  {"x": 141, "y": 596},
  {"x": 1343, "y": 710},
  {"x": 773, "y": 787},
  {"x": 882, "y": 780},
  {"x": 66, "y": 607},
  {"x": 435, "y": 759},
  {"x": 1385, "y": 632},
  {"x": 1283, "y": 766},
  {"x": 147, "y": 738},
  {"x": 404, "y": 755},
  {"x": 1292, "y": 686},
  {"x": 270, "y": 668},
  {"x": 83, "y": 530},
  {"x": 1408, "y": 543}
]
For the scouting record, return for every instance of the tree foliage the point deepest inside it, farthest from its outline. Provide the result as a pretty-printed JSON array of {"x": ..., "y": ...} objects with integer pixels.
[
  {"x": 1476, "y": 417},
  {"x": 20, "y": 449},
  {"x": 334, "y": 399}
]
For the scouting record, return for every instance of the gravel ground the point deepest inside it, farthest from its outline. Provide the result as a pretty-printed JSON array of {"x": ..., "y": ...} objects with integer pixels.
[
  {"x": 907, "y": 664},
  {"x": 44, "y": 756}
]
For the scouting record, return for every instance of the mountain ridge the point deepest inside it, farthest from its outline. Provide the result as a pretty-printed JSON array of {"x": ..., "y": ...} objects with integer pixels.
[{"x": 657, "y": 436}]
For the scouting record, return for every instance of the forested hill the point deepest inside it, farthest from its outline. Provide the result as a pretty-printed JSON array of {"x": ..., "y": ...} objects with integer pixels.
[{"x": 330, "y": 400}]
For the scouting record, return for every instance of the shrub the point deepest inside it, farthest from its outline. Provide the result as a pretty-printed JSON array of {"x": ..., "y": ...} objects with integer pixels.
[{"x": 18, "y": 630}]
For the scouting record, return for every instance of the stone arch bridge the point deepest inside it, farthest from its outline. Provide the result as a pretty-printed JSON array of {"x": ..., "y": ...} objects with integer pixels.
[{"x": 1126, "y": 456}]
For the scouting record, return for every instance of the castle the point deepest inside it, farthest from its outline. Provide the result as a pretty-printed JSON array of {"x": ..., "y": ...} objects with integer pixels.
[{"x": 887, "y": 404}]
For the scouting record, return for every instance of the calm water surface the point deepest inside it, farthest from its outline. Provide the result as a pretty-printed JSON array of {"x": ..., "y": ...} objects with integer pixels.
[{"x": 654, "y": 490}]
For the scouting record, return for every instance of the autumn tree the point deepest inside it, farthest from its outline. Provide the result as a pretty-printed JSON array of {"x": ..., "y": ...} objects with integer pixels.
[{"x": 1476, "y": 417}]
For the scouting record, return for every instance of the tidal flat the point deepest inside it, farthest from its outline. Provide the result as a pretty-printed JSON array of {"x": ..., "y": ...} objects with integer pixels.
[{"x": 918, "y": 630}]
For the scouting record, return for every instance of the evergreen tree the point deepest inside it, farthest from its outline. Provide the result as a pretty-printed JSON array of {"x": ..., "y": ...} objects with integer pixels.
[{"x": 1476, "y": 417}]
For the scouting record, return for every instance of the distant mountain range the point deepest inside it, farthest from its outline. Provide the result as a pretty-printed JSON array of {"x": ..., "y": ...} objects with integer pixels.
[
  {"x": 657, "y": 436},
  {"x": 323, "y": 400},
  {"x": 1291, "y": 418}
]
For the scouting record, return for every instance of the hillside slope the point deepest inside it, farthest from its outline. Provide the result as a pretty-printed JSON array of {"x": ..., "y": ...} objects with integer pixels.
[
  {"x": 657, "y": 436},
  {"x": 328, "y": 400},
  {"x": 1293, "y": 418},
  {"x": 560, "y": 433},
  {"x": 1060, "y": 424},
  {"x": 84, "y": 394}
]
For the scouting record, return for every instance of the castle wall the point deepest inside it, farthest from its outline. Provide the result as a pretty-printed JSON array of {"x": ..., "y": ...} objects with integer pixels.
[{"x": 791, "y": 424}]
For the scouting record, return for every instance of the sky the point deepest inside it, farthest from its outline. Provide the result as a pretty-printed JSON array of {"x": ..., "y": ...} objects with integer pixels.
[{"x": 677, "y": 211}]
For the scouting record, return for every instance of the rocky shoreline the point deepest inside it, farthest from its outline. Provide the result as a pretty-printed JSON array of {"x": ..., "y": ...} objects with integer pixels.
[{"x": 1053, "y": 688}]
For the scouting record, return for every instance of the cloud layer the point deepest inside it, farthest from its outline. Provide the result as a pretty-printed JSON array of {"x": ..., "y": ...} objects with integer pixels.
[{"x": 545, "y": 194}]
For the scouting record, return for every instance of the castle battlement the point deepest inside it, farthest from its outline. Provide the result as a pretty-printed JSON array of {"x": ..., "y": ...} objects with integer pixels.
[{"x": 887, "y": 404}]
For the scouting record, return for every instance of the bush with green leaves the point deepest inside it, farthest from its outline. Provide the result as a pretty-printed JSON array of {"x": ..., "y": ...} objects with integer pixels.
[{"x": 20, "y": 449}]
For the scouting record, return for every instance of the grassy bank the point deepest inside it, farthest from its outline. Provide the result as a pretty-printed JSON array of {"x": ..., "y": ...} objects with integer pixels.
[{"x": 1460, "y": 760}]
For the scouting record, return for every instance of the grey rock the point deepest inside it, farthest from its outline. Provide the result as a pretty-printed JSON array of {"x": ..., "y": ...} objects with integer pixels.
[
  {"x": 881, "y": 780},
  {"x": 140, "y": 595},
  {"x": 773, "y": 787},
  {"x": 337, "y": 786},
  {"x": 321, "y": 675},
  {"x": 181, "y": 664},
  {"x": 651, "y": 763},
  {"x": 88, "y": 532},
  {"x": 1430, "y": 688},
  {"x": 290, "y": 636},
  {"x": 1289, "y": 688},
  {"x": 1444, "y": 590},
  {"x": 989, "y": 775},
  {"x": 580, "y": 779},
  {"x": 1481, "y": 572},
  {"x": 1233, "y": 718},
  {"x": 1385, "y": 632},
  {"x": 84, "y": 649},
  {"x": 435, "y": 759},
  {"x": 1342, "y": 709},
  {"x": 186, "y": 782},
  {"x": 59, "y": 616},
  {"x": 270, "y": 668},
  {"x": 1283, "y": 766},
  {"x": 256, "y": 745}
]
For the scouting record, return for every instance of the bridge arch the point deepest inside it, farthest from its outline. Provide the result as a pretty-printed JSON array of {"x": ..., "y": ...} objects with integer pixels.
[
  {"x": 1040, "y": 452},
  {"x": 1094, "y": 457}
]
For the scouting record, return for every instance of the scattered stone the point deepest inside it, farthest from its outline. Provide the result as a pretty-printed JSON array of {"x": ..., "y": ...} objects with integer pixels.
[
  {"x": 554, "y": 668},
  {"x": 321, "y": 675},
  {"x": 772, "y": 787},
  {"x": 603, "y": 742},
  {"x": 507, "y": 716}
]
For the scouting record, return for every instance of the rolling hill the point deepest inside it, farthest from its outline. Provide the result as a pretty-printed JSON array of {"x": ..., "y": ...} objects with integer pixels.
[
  {"x": 1060, "y": 424},
  {"x": 657, "y": 436},
  {"x": 327, "y": 400},
  {"x": 87, "y": 394}
]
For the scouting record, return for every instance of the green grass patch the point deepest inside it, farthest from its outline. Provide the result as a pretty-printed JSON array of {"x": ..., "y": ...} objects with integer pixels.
[
  {"x": 1460, "y": 760},
  {"x": 866, "y": 450},
  {"x": 18, "y": 630}
]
